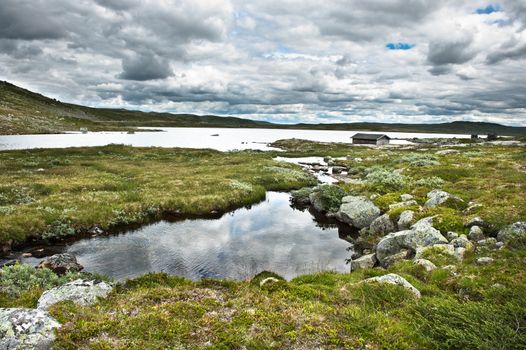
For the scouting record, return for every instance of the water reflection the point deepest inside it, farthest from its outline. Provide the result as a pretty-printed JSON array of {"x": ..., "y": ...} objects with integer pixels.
[{"x": 269, "y": 236}]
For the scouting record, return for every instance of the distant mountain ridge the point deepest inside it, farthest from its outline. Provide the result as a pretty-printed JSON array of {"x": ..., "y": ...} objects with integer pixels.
[{"x": 26, "y": 112}]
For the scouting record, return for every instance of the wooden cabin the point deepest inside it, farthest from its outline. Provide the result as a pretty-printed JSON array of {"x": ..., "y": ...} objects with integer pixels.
[{"x": 370, "y": 139}]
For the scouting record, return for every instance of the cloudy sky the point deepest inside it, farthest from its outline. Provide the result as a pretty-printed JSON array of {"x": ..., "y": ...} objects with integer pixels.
[{"x": 276, "y": 60}]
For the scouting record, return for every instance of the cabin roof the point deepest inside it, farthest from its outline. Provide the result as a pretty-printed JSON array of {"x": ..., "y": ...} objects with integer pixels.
[{"x": 361, "y": 136}]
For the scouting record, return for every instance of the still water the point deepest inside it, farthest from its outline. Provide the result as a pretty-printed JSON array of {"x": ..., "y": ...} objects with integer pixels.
[
  {"x": 269, "y": 236},
  {"x": 216, "y": 138}
]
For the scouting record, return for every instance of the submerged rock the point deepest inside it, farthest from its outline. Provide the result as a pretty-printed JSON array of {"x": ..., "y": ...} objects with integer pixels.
[
  {"x": 61, "y": 263},
  {"x": 513, "y": 231},
  {"x": 395, "y": 279},
  {"x": 357, "y": 211},
  {"x": 26, "y": 329},
  {"x": 79, "y": 291},
  {"x": 364, "y": 262}
]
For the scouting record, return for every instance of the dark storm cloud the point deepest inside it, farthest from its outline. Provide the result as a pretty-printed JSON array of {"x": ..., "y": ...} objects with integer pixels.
[
  {"x": 502, "y": 54},
  {"x": 27, "y": 20},
  {"x": 450, "y": 52},
  {"x": 145, "y": 67}
]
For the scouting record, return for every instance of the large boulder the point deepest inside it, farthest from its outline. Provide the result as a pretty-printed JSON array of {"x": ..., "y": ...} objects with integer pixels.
[
  {"x": 382, "y": 225},
  {"x": 357, "y": 211},
  {"x": 513, "y": 231},
  {"x": 26, "y": 329},
  {"x": 439, "y": 197},
  {"x": 395, "y": 279},
  {"x": 79, "y": 291},
  {"x": 61, "y": 263},
  {"x": 421, "y": 234},
  {"x": 364, "y": 262}
]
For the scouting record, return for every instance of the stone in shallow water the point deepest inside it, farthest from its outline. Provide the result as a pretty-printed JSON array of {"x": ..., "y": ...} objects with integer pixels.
[
  {"x": 79, "y": 291},
  {"x": 26, "y": 329},
  {"x": 61, "y": 263}
]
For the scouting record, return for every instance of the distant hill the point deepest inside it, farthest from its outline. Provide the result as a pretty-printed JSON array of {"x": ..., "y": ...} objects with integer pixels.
[{"x": 26, "y": 112}]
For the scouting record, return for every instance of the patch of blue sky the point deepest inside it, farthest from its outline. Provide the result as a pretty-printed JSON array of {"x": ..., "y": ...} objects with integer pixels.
[
  {"x": 488, "y": 9},
  {"x": 399, "y": 46}
]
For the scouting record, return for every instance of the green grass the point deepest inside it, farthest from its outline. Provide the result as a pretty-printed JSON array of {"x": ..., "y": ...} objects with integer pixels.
[
  {"x": 56, "y": 193},
  {"x": 477, "y": 307}
]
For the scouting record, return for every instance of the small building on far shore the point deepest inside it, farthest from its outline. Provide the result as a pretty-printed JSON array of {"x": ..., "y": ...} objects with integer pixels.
[{"x": 370, "y": 139}]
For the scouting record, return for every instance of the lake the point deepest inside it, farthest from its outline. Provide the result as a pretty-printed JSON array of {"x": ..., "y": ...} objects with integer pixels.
[
  {"x": 225, "y": 139},
  {"x": 270, "y": 235}
]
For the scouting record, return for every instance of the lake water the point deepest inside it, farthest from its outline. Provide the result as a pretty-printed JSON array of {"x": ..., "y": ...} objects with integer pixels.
[
  {"x": 269, "y": 236},
  {"x": 226, "y": 139}
]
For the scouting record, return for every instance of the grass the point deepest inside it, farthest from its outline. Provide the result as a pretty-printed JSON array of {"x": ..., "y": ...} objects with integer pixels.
[
  {"x": 476, "y": 307},
  {"x": 56, "y": 193}
]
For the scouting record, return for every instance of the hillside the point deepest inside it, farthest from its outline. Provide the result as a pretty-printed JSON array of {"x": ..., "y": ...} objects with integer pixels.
[{"x": 26, "y": 112}]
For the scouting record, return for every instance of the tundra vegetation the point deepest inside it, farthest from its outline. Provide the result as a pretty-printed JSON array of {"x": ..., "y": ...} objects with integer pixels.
[{"x": 464, "y": 303}]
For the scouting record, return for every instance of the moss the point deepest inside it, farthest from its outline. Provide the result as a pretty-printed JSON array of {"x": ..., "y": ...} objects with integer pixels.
[{"x": 385, "y": 200}]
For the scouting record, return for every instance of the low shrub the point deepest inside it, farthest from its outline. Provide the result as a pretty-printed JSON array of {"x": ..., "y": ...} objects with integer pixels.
[{"x": 384, "y": 180}]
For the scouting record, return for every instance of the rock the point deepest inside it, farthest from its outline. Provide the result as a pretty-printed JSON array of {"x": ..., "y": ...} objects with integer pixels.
[
  {"x": 410, "y": 203},
  {"x": 421, "y": 234},
  {"x": 26, "y": 329},
  {"x": 475, "y": 233},
  {"x": 405, "y": 220},
  {"x": 499, "y": 245},
  {"x": 338, "y": 169},
  {"x": 395, "y": 279},
  {"x": 61, "y": 263},
  {"x": 462, "y": 242},
  {"x": 10, "y": 262},
  {"x": 451, "y": 235},
  {"x": 393, "y": 259},
  {"x": 268, "y": 280},
  {"x": 476, "y": 221},
  {"x": 365, "y": 262},
  {"x": 513, "y": 231},
  {"x": 459, "y": 253},
  {"x": 382, "y": 225},
  {"x": 446, "y": 151},
  {"x": 488, "y": 242},
  {"x": 79, "y": 291},
  {"x": 357, "y": 211},
  {"x": 485, "y": 260},
  {"x": 426, "y": 264},
  {"x": 406, "y": 197},
  {"x": 439, "y": 197},
  {"x": 95, "y": 231},
  {"x": 442, "y": 248}
]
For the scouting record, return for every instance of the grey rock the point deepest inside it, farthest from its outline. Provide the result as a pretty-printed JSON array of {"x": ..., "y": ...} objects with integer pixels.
[
  {"x": 499, "y": 245},
  {"x": 476, "y": 221},
  {"x": 26, "y": 329},
  {"x": 406, "y": 197},
  {"x": 513, "y": 231},
  {"x": 395, "y": 279},
  {"x": 410, "y": 203},
  {"x": 451, "y": 235},
  {"x": 382, "y": 225},
  {"x": 338, "y": 169},
  {"x": 442, "y": 248},
  {"x": 446, "y": 151},
  {"x": 421, "y": 234},
  {"x": 439, "y": 197},
  {"x": 426, "y": 264},
  {"x": 404, "y": 254},
  {"x": 365, "y": 262},
  {"x": 485, "y": 260},
  {"x": 357, "y": 211},
  {"x": 476, "y": 234},
  {"x": 80, "y": 291},
  {"x": 463, "y": 242},
  {"x": 61, "y": 263},
  {"x": 405, "y": 220},
  {"x": 488, "y": 242}
]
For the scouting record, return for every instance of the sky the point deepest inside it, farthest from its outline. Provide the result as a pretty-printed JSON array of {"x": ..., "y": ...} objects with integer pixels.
[{"x": 286, "y": 61}]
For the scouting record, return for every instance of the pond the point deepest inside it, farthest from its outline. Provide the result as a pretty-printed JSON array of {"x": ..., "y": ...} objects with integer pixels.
[
  {"x": 215, "y": 138},
  {"x": 270, "y": 235}
]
